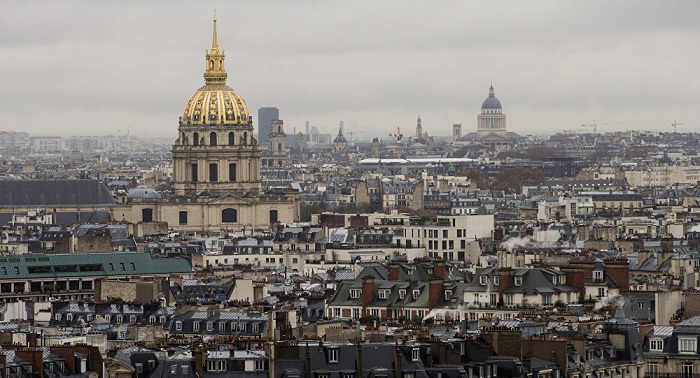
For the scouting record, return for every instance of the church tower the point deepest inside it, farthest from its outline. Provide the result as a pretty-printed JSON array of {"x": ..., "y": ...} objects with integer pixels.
[
  {"x": 419, "y": 129},
  {"x": 277, "y": 149},
  {"x": 215, "y": 151}
]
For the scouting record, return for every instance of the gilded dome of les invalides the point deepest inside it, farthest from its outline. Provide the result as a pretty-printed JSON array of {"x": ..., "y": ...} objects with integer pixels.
[{"x": 215, "y": 103}]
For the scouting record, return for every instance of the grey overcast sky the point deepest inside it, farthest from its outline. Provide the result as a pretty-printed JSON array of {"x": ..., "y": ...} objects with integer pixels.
[{"x": 96, "y": 67}]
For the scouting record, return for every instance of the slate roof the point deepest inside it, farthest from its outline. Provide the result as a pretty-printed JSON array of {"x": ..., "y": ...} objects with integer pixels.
[{"x": 54, "y": 193}]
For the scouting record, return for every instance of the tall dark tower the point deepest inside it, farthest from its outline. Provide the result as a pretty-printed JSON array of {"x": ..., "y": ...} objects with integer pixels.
[{"x": 265, "y": 118}]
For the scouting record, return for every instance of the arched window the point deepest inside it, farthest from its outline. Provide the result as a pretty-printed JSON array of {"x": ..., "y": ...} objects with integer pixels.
[
  {"x": 245, "y": 137},
  {"x": 221, "y": 64},
  {"x": 211, "y": 65},
  {"x": 183, "y": 139},
  {"x": 195, "y": 139},
  {"x": 212, "y": 139},
  {"x": 229, "y": 215},
  {"x": 279, "y": 146},
  {"x": 231, "y": 139}
]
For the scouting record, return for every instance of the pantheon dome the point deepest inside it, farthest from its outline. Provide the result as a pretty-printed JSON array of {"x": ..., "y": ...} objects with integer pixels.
[{"x": 491, "y": 102}]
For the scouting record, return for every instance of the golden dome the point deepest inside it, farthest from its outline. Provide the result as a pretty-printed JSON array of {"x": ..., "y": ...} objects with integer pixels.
[{"x": 215, "y": 103}]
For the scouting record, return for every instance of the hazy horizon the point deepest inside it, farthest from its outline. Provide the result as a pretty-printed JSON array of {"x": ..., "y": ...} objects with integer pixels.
[{"x": 93, "y": 68}]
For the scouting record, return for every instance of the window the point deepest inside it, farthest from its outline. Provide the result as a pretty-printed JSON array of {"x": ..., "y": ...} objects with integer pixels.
[
  {"x": 108, "y": 317},
  {"x": 518, "y": 281},
  {"x": 273, "y": 216},
  {"x": 448, "y": 294},
  {"x": 151, "y": 319},
  {"x": 687, "y": 369},
  {"x": 147, "y": 215},
  {"x": 495, "y": 280},
  {"x": 546, "y": 299},
  {"x": 195, "y": 139},
  {"x": 178, "y": 325},
  {"x": 193, "y": 172},
  {"x": 222, "y": 326},
  {"x": 259, "y": 364},
  {"x": 415, "y": 354},
  {"x": 483, "y": 280},
  {"x": 195, "y": 326},
  {"x": 598, "y": 275},
  {"x": 182, "y": 217},
  {"x": 256, "y": 327},
  {"x": 229, "y": 216},
  {"x": 57, "y": 317},
  {"x": 601, "y": 292},
  {"x": 231, "y": 139},
  {"x": 210, "y": 326},
  {"x": 355, "y": 293},
  {"x": 69, "y": 317},
  {"x": 120, "y": 319},
  {"x": 493, "y": 299},
  {"x": 213, "y": 172},
  {"x": 132, "y": 319},
  {"x": 656, "y": 345},
  {"x": 640, "y": 305},
  {"x": 402, "y": 293},
  {"x": 232, "y": 172},
  {"x": 476, "y": 298},
  {"x": 416, "y": 293},
  {"x": 185, "y": 369},
  {"x": 687, "y": 345},
  {"x": 652, "y": 369},
  {"x": 212, "y": 139},
  {"x": 509, "y": 299},
  {"x": 333, "y": 355},
  {"x": 384, "y": 293}
]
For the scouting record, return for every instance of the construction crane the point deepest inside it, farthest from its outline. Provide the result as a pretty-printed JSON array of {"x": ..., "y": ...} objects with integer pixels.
[
  {"x": 351, "y": 133},
  {"x": 594, "y": 125},
  {"x": 676, "y": 124},
  {"x": 398, "y": 137}
]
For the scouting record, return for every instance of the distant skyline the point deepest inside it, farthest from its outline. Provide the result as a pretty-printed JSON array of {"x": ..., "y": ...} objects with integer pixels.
[{"x": 94, "y": 68}]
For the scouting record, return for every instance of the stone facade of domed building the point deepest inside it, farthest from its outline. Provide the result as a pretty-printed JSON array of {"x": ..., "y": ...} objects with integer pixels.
[{"x": 216, "y": 167}]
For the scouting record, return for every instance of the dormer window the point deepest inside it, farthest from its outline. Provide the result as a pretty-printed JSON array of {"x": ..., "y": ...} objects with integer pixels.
[
  {"x": 415, "y": 354},
  {"x": 598, "y": 275},
  {"x": 518, "y": 281},
  {"x": 384, "y": 293},
  {"x": 656, "y": 345},
  {"x": 402, "y": 293},
  {"x": 333, "y": 355},
  {"x": 355, "y": 293},
  {"x": 495, "y": 280},
  {"x": 416, "y": 293},
  {"x": 448, "y": 294},
  {"x": 483, "y": 280}
]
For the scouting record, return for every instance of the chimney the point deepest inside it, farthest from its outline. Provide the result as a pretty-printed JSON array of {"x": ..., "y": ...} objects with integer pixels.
[
  {"x": 434, "y": 291},
  {"x": 398, "y": 371},
  {"x": 199, "y": 360},
  {"x": 505, "y": 280},
  {"x": 307, "y": 365},
  {"x": 359, "y": 358},
  {"x": 393, "y": 271},
  {"x": 36, "y": 357},
  {"x": 619, "y": 270},
  {"x": 367, "y": 290},
  {"x": 439, "y": 271}
]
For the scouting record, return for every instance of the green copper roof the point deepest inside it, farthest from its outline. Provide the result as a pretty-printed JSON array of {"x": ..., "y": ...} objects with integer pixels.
[{"x": 88, "y": 264}]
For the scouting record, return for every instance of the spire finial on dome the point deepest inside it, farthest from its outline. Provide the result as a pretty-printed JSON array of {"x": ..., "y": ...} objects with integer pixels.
[
  {"x": 215, "y": 40},
  {"x": 215, "y": 72},
  {"x": 491, "y": 91}
]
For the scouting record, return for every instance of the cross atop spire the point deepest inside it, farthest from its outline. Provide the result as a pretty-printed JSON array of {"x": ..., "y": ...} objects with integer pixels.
[{"x": 215, "y": 72}]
